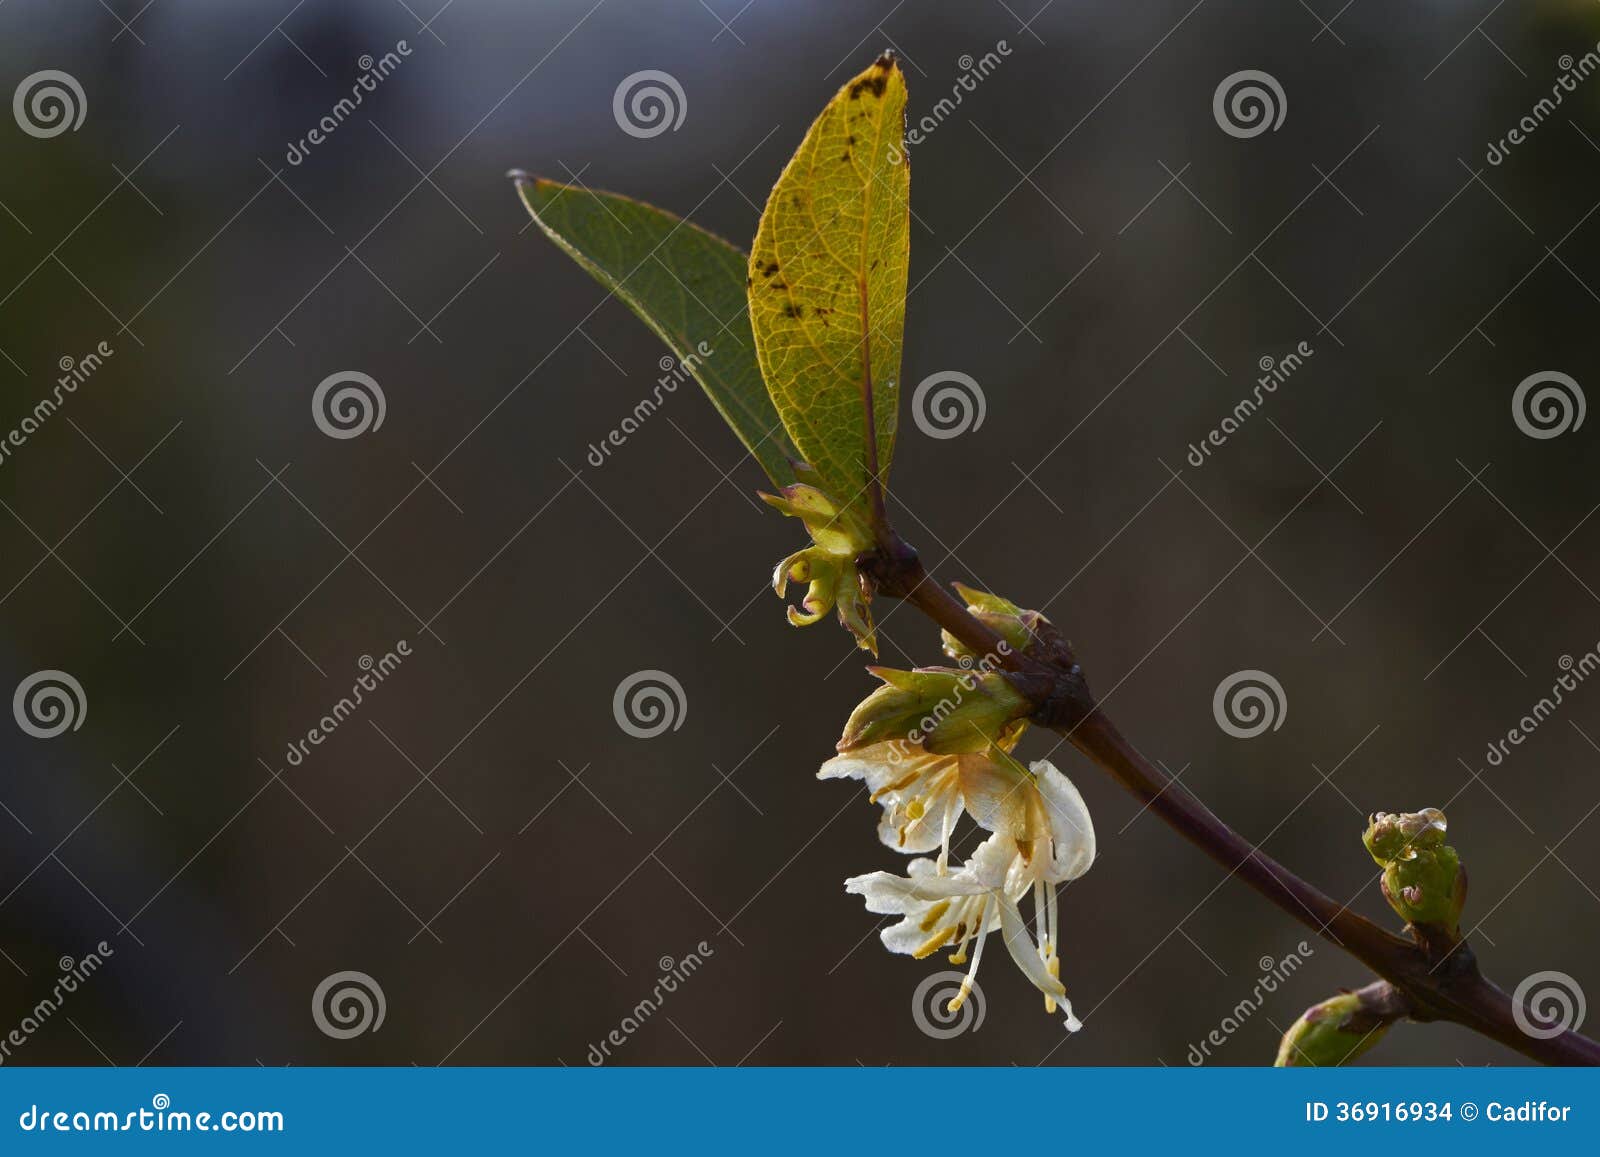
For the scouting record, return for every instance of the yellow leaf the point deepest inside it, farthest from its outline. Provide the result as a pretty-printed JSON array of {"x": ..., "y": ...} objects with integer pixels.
[{"x": 828, "y": 282}]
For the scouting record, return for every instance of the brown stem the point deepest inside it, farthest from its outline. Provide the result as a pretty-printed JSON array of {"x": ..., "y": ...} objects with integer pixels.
[{"x": 1437, "y": 985}]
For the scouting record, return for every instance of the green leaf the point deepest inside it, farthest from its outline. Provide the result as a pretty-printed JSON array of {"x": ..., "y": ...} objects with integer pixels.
[
  {"x": 686, "y": 284},
  {"x": 828, "y": 281}
]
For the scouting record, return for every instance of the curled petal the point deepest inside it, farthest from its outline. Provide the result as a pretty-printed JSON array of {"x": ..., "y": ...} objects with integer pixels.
[
  {"x": 1027, "y": 958},
  {"x": 838, "y": 536},
  {"x": 1071, "y": 829}
]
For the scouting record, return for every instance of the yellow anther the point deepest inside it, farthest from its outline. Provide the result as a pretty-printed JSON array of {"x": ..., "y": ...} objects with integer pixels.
[{"x": 938, "y": 941}]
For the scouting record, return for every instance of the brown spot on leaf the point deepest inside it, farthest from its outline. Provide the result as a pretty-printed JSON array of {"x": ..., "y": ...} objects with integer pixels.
[
  {"x": 874, "y": 84},
  {"x": 792, "y": 310}
]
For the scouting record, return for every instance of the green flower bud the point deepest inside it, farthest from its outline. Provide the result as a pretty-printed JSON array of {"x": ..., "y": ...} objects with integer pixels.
[
  {"x": 943, "y": 710},
  {"x": 1423, "y": 878},
  {"x": 1002, "y": 616},
  {"x": 1338, "y": 1030},
  {"x": 828, "y": 566},
  {"x": 1395, "y": 835}
]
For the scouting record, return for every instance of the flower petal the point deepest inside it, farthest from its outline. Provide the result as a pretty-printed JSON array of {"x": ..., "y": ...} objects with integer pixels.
[
  {"x": 919, "y": 792},
  {"x": 992, "y": 863},
  {"x": 1015, "y": 933},
  {"x": 888, "y": 894},
  {"x": 1071, "y": 829}
]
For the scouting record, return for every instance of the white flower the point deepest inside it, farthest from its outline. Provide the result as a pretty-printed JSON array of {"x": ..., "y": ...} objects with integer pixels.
[
  {"x": 922, "y": 794},
  {"x": 1042, "y": 837}
]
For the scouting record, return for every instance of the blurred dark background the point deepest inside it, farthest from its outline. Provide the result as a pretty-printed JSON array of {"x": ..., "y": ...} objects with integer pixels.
[{"x": 481, "y": 837}]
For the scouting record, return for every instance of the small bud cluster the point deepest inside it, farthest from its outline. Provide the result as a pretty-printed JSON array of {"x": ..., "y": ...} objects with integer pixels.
[
  {"x": 1423, "y": 878},
  {"x": 1339, "y": 1029},
  {"x": 839, "y": 534},
  {"x": 1002, "y": 616}
]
